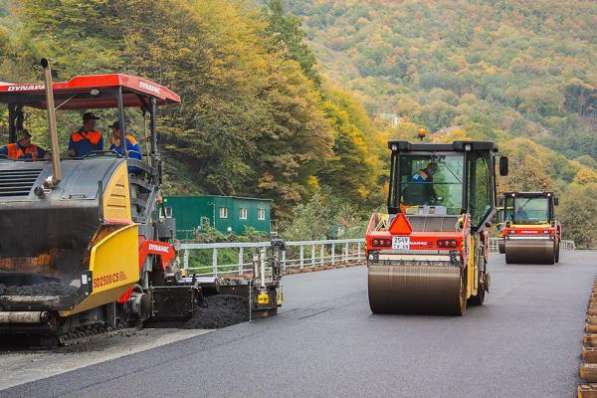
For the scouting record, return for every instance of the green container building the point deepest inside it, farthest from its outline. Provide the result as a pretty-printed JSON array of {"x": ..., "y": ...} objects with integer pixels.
[{"x": 227, "y": 214}]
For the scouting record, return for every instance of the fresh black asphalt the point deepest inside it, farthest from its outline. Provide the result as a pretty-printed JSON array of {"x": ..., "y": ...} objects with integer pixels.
[{"x": 525, "y": 342}]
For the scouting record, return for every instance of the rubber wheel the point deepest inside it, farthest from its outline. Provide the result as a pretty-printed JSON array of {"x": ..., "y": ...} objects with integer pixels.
[
  {"x": 553, "y": 259},
  {"x": 479, "y": 299},
  {"x": 460, "y": 308},
  {"x": 506, "y": 257}
]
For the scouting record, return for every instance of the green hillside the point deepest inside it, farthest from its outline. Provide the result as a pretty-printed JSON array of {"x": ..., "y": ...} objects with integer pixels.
[
  {"x": 525, "y": 67},
  {"x": 517, "y": 72},
  {"x": 297, "y": 108},
  {"x": 256, "y": 118}
]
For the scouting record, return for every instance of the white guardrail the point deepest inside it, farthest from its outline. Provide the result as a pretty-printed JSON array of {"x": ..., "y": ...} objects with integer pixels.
[{"x": 237, "y": 257}]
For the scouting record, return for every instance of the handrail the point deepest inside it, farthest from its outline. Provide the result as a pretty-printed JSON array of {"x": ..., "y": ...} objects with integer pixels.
[
  {"x": 298, "y": 254},
  {"x": 301, "y": 254}
]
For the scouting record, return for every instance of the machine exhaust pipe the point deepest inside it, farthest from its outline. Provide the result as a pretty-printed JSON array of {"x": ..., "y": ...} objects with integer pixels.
[{"x": 56, "y": 169}]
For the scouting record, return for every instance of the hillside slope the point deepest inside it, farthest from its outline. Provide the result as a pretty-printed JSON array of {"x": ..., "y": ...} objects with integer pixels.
[{"x": 525, "y": 67}]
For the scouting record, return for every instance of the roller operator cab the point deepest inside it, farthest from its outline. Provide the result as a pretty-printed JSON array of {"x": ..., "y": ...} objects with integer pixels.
[
  {"x": 428, "y": 254},
  {"x": 529, "y": 230},
  {"x": 85, "y": 242}
]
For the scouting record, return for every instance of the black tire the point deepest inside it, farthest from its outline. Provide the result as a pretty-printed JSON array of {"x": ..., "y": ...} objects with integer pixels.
[
  {"x": 558, "y": 252},
  {"x": 501, "y": 246},
  {"x": 507, "y": 258},
  {"x": 479, "y": 299},
  {"x": 460, "y": 308}
]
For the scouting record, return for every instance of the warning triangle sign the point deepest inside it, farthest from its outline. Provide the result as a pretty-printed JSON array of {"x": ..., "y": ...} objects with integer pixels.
[{"x": 400, "y": 225}]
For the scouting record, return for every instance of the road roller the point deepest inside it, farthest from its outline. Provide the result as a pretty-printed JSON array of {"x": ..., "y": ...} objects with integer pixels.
[
  {"x": 86, "y": 243},
  {"x": 428, "y": 254},
  {"x": 530, "y": 233}
]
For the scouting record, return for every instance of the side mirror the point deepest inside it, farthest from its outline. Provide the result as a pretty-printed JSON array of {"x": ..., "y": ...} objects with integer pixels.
[
  {"x": 503, "y": 165},
  {"x": 556, "y": 201}
]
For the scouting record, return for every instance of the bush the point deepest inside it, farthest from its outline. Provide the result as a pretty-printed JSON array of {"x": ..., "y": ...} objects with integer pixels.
[
  {"x": 325, "y": 217},
  {"x": 578, "y": 214}
]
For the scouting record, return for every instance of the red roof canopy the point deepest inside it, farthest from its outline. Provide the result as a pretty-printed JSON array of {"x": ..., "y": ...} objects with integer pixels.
[{"x": 89, "y": 92}]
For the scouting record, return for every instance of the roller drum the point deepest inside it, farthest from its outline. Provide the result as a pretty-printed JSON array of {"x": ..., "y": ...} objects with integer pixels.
[
  {"x": 416, "y": 289},
  {"x": 531, "y": 251}
]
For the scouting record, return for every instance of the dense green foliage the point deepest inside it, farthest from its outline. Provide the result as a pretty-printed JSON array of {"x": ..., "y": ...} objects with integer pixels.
[
  {"x": 526, "y": 67},
  {"x": 578, "y": 214},
  {"x": 272, "y": 110},
  {"x": 521, "y": 73},
  {"x": 255, "y": 118}
]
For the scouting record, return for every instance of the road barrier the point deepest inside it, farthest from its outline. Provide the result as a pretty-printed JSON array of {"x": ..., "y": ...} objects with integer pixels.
[
  {"x": 588, "y": 366},
  {"x": 216, "y": 259}
]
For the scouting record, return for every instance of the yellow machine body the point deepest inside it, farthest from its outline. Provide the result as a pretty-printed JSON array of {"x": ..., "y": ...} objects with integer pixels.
[
  {"x": 114, "y": 266},
  {"x": 114, "y": 254}
]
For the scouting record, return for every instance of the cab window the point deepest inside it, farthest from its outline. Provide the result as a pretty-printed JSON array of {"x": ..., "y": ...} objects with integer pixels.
[{"x": 480, "y": 193}]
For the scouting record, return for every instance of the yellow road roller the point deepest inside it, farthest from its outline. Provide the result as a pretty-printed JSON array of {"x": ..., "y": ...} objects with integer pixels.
[
  {"x": 530, "y": 234},
  {"x": 429, "y": 253}
]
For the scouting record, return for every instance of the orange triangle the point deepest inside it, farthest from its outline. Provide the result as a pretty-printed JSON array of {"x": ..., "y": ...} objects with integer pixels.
[{"x": 400, "y": 225}]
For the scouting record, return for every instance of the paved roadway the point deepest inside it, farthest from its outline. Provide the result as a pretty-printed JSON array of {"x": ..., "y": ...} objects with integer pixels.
[{"x": 524, "y": 342}]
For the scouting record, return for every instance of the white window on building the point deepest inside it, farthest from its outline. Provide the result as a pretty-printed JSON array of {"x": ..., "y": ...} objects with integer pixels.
[
  {"x": 261, "y": 214},
  {"x": 244, "y": 213},
  {"x": 223, "y": 212}
]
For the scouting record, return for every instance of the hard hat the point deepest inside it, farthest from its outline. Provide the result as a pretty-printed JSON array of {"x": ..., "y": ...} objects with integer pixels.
[{"x": 90, "y": 116}]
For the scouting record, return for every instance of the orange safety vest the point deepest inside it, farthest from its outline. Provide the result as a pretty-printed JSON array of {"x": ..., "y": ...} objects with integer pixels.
[
  {"x": 130, "y": 138},
  {"x": 93, "y": 137},
  {"x": 15, "y": 152}
]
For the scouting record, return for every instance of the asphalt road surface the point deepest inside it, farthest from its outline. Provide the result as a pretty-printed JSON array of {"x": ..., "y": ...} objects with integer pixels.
[{"x": 525, "y": 342}]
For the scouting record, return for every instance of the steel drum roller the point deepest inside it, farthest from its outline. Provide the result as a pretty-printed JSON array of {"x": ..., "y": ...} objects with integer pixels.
[
  {"x": 530, "y": 251},
  {"x": 415, "y": 288}
]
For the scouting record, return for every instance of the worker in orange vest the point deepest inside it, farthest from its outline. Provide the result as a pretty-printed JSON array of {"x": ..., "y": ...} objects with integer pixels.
[
  {"x": 23, "y": 149},
  {"x": 87, "y": 139}
]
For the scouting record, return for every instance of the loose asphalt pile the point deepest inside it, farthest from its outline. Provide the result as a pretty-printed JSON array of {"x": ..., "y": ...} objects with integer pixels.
[{"x": 221, "y": 311}]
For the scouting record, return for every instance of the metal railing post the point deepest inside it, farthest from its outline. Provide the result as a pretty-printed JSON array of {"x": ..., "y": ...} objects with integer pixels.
[
  {"x": 214, "y": 262},
  {"x": 313, "y": 255},
  {"x": 284, "y": 260},
  {"x": 333, "y": 253},
  {"x": 302, "y": 249},
  {"x": 346, "y": 252},
  {"x": 185, "y": 260},
  {"x": 358, "y": 251},
  {"x": 241, "y": 253},
  {"x": 321, "y": 253}
]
